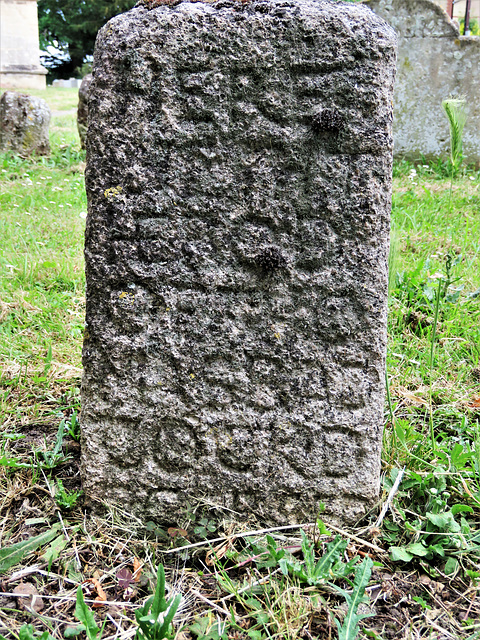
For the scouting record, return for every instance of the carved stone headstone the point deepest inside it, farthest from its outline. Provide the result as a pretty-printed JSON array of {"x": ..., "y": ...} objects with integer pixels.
[
  {"x": 82, "y": 111},
  {"x": 24, "y": 122},
  {"x": 238, "y": 178}
]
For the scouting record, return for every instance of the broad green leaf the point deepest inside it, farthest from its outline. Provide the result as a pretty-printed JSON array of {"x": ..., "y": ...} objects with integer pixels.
[
  {"x": 443, "y": 521},
  {"x": 284, "y": 565},
  {"x": 451, "y": 566},
  {"x": 26, "y": 632},
  {"x": 308, "y": 555},
  {"x": 72, "y": 632},
  {"x": 54, "y": 550},
  {"x": 11, "y": 556},
  {"x": 458, "y": 455},
  {"x": 159, "y": 604},
  {"x": 417, "y": 549},
  {"x": 322, "y": 529},
  {"x": 400, "y": 554},
  {"x": 436, "y": 548},
  {"x": 13, "y": 462},
  {"x": 171, "y": 611},
  {"x": 461, "y": 508}
]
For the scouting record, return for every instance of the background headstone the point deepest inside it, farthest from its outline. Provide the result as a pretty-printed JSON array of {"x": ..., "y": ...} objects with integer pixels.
[
  {"x": 19, "y": 46},
  {"x": 71, "y": 83},
  {"x": 238, "y": 178},
  {"x": 82, "y": 111},
  {"x": 24, "y": 122},
  {"x": 434, "y": 63}
]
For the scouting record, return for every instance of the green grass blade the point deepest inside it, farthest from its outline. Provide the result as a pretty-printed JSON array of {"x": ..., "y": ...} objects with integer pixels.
[
  {"x": 159, "y": 603},
  {"x": 172, "y": 610}
]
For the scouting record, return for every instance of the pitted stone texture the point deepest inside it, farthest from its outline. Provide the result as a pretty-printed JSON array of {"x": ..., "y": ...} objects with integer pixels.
[
  {"x": 24, "y": 122},
  {"x": 238, "y": 177},
  {"x": 82, "y": 111}
]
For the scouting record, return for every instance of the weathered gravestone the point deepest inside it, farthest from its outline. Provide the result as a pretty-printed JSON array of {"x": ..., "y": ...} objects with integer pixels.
[
  {"x": 238, "y": 177},
  {"x": 82, "y": 110},
  {"x": 24, "y": 122}
]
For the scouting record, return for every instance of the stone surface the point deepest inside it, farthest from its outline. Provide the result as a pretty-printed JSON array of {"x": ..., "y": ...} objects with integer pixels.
[
  {"x": 28, "y": 597},
  {"x": 19, "y": 46},
  {"x": 71, "y": 83},
  {"x": 82, "y": 111},
  {"x": 434, "y": 63},
  {"x": 24, "y": 122},
  {"x": 238, "y": 178}
]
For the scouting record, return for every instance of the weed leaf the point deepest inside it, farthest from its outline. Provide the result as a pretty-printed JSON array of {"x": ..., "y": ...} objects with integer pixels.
[
  {"x": 417, "y": 549},
  {"x": 27, "y": 632},
  {"x": 329, "y": 564},
  {"x": 349, "y": 629},
  {"x": 53, "y": 551},
  {"x": 72, "y": 632},
  {"x": 13, "y": 462},
  {"x": 153, "y": 625},
  {"x": 400, "y": 554},
  {"x": 85, "y": 616},
  {"x": 444, "y": 521},
  {"x": 15, "y": 554}
]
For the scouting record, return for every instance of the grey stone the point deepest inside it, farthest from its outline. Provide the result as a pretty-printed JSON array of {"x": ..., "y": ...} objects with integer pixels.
[
  {"x": 238, "y": 179},
  {"x": 24, "y": 122},
  {"x": 82, "y": 111}
]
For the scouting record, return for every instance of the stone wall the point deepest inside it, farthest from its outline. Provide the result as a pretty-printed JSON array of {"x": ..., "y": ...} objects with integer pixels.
[
  {"x": 19, "y": 46},
  {"x": 238, "y": 181},
  {"x": 434, "y": 63}
]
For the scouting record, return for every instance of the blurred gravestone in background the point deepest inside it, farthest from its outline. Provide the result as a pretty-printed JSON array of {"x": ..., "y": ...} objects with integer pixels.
[
  {"x": 19, "y": 46},
  {"x": 24, "y": 122},
  {"x": 434, "y": 63},
  {"x": 82, "y": 111},
  {"x": 238, "y": 177}
]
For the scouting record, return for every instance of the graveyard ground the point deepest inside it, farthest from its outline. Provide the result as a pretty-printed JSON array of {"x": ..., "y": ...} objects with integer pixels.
[{"x": 236, "y": 582}]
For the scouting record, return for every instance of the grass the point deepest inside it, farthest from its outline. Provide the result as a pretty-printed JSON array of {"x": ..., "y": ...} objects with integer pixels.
[{"x": 409, "y": 571}]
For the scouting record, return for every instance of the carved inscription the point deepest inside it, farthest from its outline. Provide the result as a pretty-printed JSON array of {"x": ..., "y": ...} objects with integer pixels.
[{"x": 238, "y": 183}]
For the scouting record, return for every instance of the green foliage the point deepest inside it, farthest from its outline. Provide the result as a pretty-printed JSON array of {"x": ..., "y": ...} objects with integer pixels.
[
  {"x": 457, "y": 116},
  {"x": 65, "y": 499},
  {"x": 208, "y": 628},
  {"x": 438, "y": 530},
  {"x": 349, "y": 628},
  {"x": 87, "y": 622},
  {"x": 27, "y": 632},
  {"x": 474, "y": 27},
  {"x": 10, "y": 556},
  {"x": 7, "y": 461},
  {"x": 156, "y": 616},
  {"x": 204, "y": 528},
  {"x": 51, "y": 459},
  {"x": 73, "y": 427},
  {"x": 71, "y": 26},
  {"x": 314, "y": 573}
]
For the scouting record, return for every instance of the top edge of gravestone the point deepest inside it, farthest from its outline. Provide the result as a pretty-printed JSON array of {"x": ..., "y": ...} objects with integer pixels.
[{"x": 281, "y": 9}]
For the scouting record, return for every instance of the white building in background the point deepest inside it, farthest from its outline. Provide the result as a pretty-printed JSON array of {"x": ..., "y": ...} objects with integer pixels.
[{"x": 19, "y": 46}]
